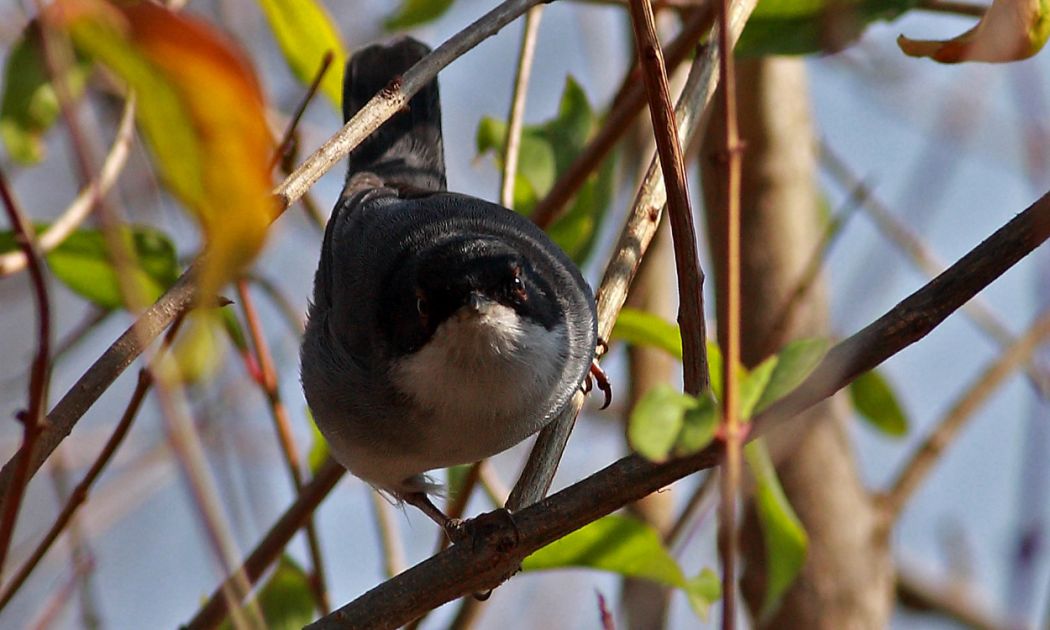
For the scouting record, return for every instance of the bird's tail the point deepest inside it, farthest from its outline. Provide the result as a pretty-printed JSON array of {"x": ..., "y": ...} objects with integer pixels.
[{"x": 406, "y": 151}]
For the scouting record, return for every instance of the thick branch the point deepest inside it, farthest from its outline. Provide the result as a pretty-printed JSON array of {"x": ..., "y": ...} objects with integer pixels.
[{"x": 461, "y": 570}]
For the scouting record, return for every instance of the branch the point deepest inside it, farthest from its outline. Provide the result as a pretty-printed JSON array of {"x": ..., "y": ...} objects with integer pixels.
[
  {"x": 461, "y": 569},
  {"x": 271, "y": 546},
  {"x": 183, "y": 293},
  {"x": 74, "y": 215},
  {"x": 79, "y": 495},
  {"x": 916, "y": 469},
  {"x": 32, "y": 417},
  {"x": 626, "y": 106},
  {"x": 637, "y": 233},
  {"x": 680, "y": 214},
  {"x": 512, "y": 145}
]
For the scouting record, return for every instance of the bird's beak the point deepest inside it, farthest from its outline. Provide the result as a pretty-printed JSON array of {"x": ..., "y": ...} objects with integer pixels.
[{"x": 476, "y": 301}]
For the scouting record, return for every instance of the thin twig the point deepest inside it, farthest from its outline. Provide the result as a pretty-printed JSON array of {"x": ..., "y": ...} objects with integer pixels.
[
  {"x": 517, "y": 104},
  {"x": 923, "y": 460},
  {"x": 389, "y": 536},
  {"x": 285, "y": 437},
  {"x": 680, "y": 214},
  {"x": 626, "y": 106},
  {"x": 466, "y": 569},
  {"x": 703, "y": 493},
  {"x": 285, "y": 148},
  {"x": 85, "y": 201},
  {"x": 183, "y": 293},
  {"x": 285, "y": 143},
  {"x": 32, "y": 418},
  {"x": 188, "y": 451},
  {"x": 395, "y": 96},
  {"x": 79, "y": 496},
  {"x": 291, "y": 314},
  {"x": 274, "y": 542},
  {"x": 729, "y": 332},
  {"x": 957, "y": 604},
  {"x": 977, "y": 309}
]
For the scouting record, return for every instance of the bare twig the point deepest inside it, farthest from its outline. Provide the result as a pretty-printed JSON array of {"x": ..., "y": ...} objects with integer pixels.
[
  {"x": 920, "y": 464},
  {"x": 285, "y": 438},
  {"x": 517, "y": 104},
  {"x": 464, "y": 569},
  {"x": 954, "y": 603},
  {"x": 729, "y": 332},
  {"x": 389, "y": 536},
  {"x": 396, "y": 95},
  {"x": 285, "y": 144},
  {"x": 80, "y": 494},
  {"x": 637, "y": 233},
  {"x": 183, "y": 293},
  {"x": 977, "y": 309},
  {"x": 32, "y": 418},
  {"x": 271, "y": 546},
  {"x": 85, "y": 201},
  {"x": 626, "y": 106},
  {"x": 701, "y": 496},
  {"x": 285, "y": 148},
  {"x": 683, "y": 231}
]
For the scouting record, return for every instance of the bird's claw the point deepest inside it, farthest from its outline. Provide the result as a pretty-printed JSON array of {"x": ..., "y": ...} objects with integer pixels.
[{"x": 598, "y": 375}]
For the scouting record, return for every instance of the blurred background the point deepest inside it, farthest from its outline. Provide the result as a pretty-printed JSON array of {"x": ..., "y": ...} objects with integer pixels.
[{"x": 950, "y": 152}]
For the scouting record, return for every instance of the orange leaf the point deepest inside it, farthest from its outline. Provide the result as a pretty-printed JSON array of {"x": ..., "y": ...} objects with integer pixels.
[
  {"x": 202, "y": 112},
  {"x": 1010, "y": 30}
]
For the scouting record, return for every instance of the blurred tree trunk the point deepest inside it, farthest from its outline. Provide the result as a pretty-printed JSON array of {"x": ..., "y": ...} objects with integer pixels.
[
  {"x": 644, "y": 601},
  {"x": 847, "y": 581}
]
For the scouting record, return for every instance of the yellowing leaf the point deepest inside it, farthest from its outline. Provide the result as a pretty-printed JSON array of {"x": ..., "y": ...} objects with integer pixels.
[
  {"x": 202, "y": 113},
  {"x": 305, "y": 34},
  {"x": 1010, "y": 30}
]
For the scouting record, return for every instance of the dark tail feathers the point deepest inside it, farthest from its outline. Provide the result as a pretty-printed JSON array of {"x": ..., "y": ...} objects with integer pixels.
[{"x": 406, "y": 151}]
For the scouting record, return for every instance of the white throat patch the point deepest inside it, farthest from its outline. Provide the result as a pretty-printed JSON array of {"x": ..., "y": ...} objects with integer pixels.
[{"x": 486, "y": 377}]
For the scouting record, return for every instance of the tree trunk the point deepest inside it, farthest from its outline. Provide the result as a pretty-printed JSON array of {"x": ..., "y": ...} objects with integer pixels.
[{"x": 847, "y": 580}]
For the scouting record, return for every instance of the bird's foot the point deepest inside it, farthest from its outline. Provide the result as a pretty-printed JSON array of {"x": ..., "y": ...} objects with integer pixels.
[{"x": 598, "y": 375}]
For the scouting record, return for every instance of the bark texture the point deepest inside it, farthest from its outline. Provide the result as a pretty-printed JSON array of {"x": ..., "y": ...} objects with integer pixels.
[{"x": 847, "y": 581}]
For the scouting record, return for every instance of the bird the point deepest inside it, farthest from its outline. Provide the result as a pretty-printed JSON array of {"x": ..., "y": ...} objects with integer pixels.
[{"x": 443, "y": 328}]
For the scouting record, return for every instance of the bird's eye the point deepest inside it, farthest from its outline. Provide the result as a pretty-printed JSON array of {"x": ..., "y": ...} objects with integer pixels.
[
  {"x": 517, "y": 287},
  {"x": 423, "y": 308}
]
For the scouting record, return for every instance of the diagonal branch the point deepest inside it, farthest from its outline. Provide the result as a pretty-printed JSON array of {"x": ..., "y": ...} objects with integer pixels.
[{"x": 461, "y": 569}]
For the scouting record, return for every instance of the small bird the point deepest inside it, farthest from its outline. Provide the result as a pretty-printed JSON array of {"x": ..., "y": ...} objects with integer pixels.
[{"x": 443, "y": 328}]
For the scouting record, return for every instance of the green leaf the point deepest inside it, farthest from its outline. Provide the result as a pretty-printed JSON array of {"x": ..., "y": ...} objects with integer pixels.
[
  {"x": 640, "y": 328},
  {"x": 698, "y": 427},
  {"x": 628, "y": 547},
  {"x": 874, "y": 400},
  {"x": 285, "y": 600},
  {"x": 305, "y": 33},
  {"x": 657, "y": 420},
  {"x": 318, "y": 446},
  {"x": 784, "y": 537},
  {"x": 794, "y": 363},
  {"x": 234, "y": 330},
  {"x": 416, "y": 12},
  {"x": 82, "y": 264},
  {"x": 30, "y": 105},
  {"x": 703, "y": 590},
  {"x": 546, "y": 151},
  {"x": 796, "y": 27},
  {"x": 754, "y": 383}
]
